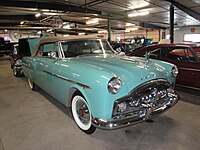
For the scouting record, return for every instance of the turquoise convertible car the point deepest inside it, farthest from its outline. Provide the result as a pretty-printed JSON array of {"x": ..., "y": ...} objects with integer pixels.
[{"x": 103, "y": 89}]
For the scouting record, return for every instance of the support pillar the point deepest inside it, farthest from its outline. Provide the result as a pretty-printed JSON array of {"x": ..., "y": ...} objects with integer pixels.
[
  {"x": 109, "y": 30},
  {"x": 171, "y": 28}
]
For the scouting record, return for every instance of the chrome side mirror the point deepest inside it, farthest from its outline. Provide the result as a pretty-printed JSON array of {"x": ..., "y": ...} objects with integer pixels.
[{"x": 52, "y": 54}]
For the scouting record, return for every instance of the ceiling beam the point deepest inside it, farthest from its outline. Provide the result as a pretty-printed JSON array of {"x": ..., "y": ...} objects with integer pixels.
[
  {"x": 95, "y": 2},
  {"x": 148, "y": 25},
  {"x": 47, "y": 5},
  {"x": 187, "y": 10},
  {"x": 23, "y": 28},
  {"x": 17, "y": 17}
]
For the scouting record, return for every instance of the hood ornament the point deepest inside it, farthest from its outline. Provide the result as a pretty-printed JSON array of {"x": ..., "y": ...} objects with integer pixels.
[{"x": 147, "y": 55}]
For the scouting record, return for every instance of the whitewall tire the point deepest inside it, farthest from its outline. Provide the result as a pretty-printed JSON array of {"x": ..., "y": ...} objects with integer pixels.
[
  {"x": 82, "y": 114},
  {"x": 31, "y": 84}
]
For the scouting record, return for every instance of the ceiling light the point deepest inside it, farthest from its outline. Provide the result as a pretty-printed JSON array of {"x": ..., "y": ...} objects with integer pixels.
[
  {"x": 67, "y": 26},
  {"x": 66, "y": 35},
  {"x": 139, "y": 5},
  {"x": 39, "y": 32},
  {"x": 33, "y": 9},
  {"x": 38, "y": 15},
  {"x": 144, "y": 13},
  {"x": 103, "y": 31},
  {"x": 131, "y": 29},
  {"x": 92, "y": 21},
  {"x": 22, "y": 22},
  {"x": 129, "y": 24},
  {"x": 127, "y": 30},
  {"x": 135, "y": 14},
  {"x": 50, "y": 13},
  {"x": 6, "y": 30},
  {"x": 95, "y": 14},
  {"x": 81, "y": 33},
  {"x": 49, "y": 30},
  {"x": 45, "y": 10}
]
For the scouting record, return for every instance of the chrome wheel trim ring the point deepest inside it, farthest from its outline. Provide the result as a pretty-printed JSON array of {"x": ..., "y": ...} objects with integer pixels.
[
  {"x": 14, "y": 71},
  {"x": 30, "y": 83},
  {"x": 81, "y": 113}
]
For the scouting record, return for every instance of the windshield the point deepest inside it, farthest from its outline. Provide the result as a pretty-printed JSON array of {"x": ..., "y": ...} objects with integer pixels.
[{"x": 86, "y": 47}]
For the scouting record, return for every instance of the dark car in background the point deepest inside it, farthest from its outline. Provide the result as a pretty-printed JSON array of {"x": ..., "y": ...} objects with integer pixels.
[
  {"x": 18, "y": 51},
  {"x": 185, "y": 56},
  {"x": 5, "y": 46}
]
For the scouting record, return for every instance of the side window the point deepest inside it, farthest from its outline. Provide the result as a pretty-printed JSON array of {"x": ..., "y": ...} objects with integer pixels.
[
  {"x": 86, "y": 48},
  {"x": 180, "y": 54},
  {"x": 46, "y": 48}
]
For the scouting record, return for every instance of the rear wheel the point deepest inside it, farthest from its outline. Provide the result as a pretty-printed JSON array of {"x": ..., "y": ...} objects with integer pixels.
[
  {"x": 31, "y": 84},
  {"x": 82, "y": 114}
]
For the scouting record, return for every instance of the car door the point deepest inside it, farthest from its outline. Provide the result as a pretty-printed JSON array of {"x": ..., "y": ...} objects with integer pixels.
[
  {"x": 46, "y": 65},
  {"x": 186, "y": 62}
]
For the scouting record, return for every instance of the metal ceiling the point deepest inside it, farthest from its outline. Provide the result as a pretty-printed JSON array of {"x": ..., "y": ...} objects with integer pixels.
[{"x": 78, "y": 12}]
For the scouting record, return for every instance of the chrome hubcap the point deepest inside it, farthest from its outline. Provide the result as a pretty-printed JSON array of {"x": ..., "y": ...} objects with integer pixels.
[{"x": 82, "y": 112}]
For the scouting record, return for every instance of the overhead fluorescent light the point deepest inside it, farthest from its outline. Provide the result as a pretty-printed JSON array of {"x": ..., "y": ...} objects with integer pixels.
[
  {"x": 81, "y": 33},
  {"x": 38, "y": 15},
  {"x": 103, "y": 31},
  {"x": 135, "y": 14},
  {"x": 92, "y": 21},
  {"x": 131, "y": 29},
  {"x": 67, "y": 26},
  {"x": 49, "y": 30},
  {"x": 45, "y": 10},
  {"x": 39, "y": 32},
  {"x": 49, "y": 13},
  {"x": 139, "y": 5},
  {"x": 65, "y": 35},
  {"x": 129, "y": 24}
]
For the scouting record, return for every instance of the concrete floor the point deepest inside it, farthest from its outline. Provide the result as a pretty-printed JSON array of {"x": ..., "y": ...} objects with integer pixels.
[{"x": 34, "y": 121}]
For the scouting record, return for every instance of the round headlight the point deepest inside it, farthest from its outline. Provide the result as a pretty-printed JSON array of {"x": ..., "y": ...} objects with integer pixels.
[
  {"x": 174, "y": 71},
  {"x": 114, "y": 85}
]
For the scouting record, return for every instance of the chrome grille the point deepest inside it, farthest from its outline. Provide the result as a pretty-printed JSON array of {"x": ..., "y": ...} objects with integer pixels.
[{"x": 151, "y": 94}]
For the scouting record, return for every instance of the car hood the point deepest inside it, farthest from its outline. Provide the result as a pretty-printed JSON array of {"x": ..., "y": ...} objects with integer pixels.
[{"x": 132, "y": 70}]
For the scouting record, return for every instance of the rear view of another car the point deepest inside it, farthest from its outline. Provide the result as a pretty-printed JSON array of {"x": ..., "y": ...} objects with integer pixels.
[
  {"x": 15, "y": 60},
  {"x": 18, "y": 51}
]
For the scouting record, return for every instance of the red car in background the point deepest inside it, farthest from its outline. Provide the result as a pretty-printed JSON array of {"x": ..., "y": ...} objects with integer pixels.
[{"x": 185, "y": 56}]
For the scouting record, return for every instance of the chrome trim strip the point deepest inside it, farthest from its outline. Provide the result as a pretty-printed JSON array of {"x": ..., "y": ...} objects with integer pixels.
[
  {"x": 189, "y": 69},
  {"x": 66, "y": 79}
]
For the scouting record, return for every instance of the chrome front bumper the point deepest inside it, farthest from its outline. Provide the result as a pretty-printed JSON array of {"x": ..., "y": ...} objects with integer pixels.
[
  {"x": 145, "y": 110},
  {"x": 18, "y": 68}
]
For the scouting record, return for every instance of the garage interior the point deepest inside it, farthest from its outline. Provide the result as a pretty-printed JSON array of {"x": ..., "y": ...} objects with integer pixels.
[{"x": 34, "y": 120}]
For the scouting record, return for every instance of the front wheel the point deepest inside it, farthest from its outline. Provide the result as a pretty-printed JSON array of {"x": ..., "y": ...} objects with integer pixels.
[
  {"x": 31, "y": 84},
  {"x": 82, "y": 114}
]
